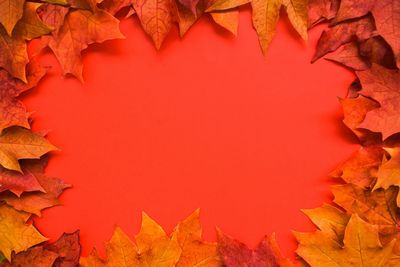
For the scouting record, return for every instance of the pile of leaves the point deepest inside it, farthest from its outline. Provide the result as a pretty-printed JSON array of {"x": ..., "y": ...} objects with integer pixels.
[{"x": 359, "y": 228}]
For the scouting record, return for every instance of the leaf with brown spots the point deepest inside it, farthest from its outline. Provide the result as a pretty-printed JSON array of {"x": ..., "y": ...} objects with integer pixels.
[
  {"x": 19, "y": 143},
  {"x": 155, "y": 17},
  {"x": 15, "y": 234}
]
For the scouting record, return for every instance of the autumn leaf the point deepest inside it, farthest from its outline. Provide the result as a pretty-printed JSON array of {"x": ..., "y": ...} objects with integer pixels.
[
  {"x": 376, "y": 50},
  {"x": 382, "y": 85},
  {"x": 12, "y": 111},
  {"x": 361, "y": 247},
  {"x": 236, "y": 254},
  {"x": 330, "y": 220},
  {"x": 362, "y": 167},
  {"x": 349, "y": 56},
  {"x": 321, "y": 10},
  {"x": 297, "y": 13},
  {"x": 228, "y": 19},
  {"x": 185, "y": 18},
  {"x": 155, "y": 17},
  {"x": 338, "y": 35},
  {"x": 265, "y": 19},
  {"x": 15, "y": 234},
  {"x": 377, "y": 207},
  {"x": 64, "y": 252},
  {"x": 81, "y": 28},
  {"x": 19, "y": 143},
  {"x": 195, "y": 251},
  {"x": 219, "y": 5},
  {"x": 190, "y": 4},
  {"x": 34, "y": 202},
  {"x": 121, "y": 251},
  {"x": 114, "y": 6},
  {"x": 11, "y": 12}
]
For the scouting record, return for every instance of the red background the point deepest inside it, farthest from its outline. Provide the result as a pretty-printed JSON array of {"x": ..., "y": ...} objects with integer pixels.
[{"x": 206, "y": 122}]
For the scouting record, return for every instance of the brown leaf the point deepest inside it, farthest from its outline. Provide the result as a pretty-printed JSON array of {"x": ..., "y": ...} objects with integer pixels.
[
  {"x": 12, "y": 111},
  {"x": 377, "y": 207},
  {"x": 10, "y": 13},
  {"x": 33, "y": 257},
  {"x": 382, "y": 85},
  {"x": 15, "y": 234},
  {"x": 81, "y": 28},
  {"x": 349, "y": 56},
  {"x": 265, "y": 19},
  {"x": 219, "y": 5},
  {"x": 331, "y": 39},
  {"x": 361, "y": 247},
  {"x": 19, "y": 143},
  {"x": 113, "y": 6},
  {"x": 321, "y": 10},
  {"x": 376, "y": 50},
  {"x": 228, "y": 19},
  {"x": 350, "y": 9},
  {"x": 155, "y": 17},
  {"x": 237, "y": 254}
]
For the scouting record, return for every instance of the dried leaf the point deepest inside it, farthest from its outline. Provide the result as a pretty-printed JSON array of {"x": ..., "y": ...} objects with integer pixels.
[
  {"x": 228, "y": 19},
  {"x": 297, "y": 13},
  {"x": 219, "y": 5},
  {"x": 15, "y": 234},
  {"x": 349, "y": 56},
  {"x": 321, "y": 10},
  {"x": 155, "y": 17},
  {"x": 10, "y": 13}
]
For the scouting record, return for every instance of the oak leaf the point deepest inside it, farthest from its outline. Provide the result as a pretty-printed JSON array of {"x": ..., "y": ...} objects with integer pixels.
[
  {"x": 15, "y": 234},
  {"x": 382, "y": 85},
  {"x": 377, "y": 207},
  {"x": 155, "y": 17},
  {"x": 12, "y": 111},
  {"x": 81, "y": 28},
  {"x": 11, "y": 12},
  {"x": 361, "y": 247},
  {"x": 236, "y": 254},
  {"x": 19, "y": 143}
]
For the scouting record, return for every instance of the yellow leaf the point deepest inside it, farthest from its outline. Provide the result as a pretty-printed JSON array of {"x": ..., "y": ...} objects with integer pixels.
[
  {"x": 228, "y": 19},
  {"x": 297, "y": 12},
  {"x": 15, "y": 234},
  {"x": 265, "y": 18}
]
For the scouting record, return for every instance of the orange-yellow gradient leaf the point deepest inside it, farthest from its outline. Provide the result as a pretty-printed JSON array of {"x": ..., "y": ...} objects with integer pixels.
[
  {"x": 228, "y": 19},
  {"x": 19, "y": 143},
  {"x": 15, "y": 234}
]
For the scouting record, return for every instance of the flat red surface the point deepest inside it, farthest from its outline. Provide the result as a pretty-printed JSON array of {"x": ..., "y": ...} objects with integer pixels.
[{"x": 207, "y": 122}]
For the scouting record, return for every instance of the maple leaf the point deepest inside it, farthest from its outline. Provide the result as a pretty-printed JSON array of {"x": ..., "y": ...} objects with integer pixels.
[
  {"x": 349, "y": 56},
  {"x": 12, "y": 111},
  {"x": 190, "y": 4},
  {"x": 377, "y": 207},
  {"x": 265, "y": 19},
  {"x": 15, "y": 234},
  {"x": 362, "y": 168},
  {"x": 330, "y": 220},
  {"x": 34, "y": 202},
  {"x": 54, "y": 16},
  {"x": 321, "y": 10},
  {"x": 361, "y": 247},
  {"x": 382, "y": 85},
  {"x": 228, "y": 19},
  {"x": 11, "y": 12},
  {"x": 62, "y": 253},
  {"x": 219, "y": 5},
  {"x": 297, "y": 13},
  {"x": 338, "y": 35},
  {"x": 155, "y": 17},
  {"x": 389, "y": 172},
  {"x": 19, "y": 143},
  {"x": 195, "y": 251},
  {"x": 376, "y": 50},
  {"x": 237, "y": 254},
  {"x": 81, "y": 28},
  {"x": 113, "y": 6}
]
